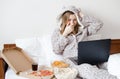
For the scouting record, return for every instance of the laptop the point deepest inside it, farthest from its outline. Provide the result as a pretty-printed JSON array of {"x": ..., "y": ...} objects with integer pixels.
[{"x": 93, "y": 52}]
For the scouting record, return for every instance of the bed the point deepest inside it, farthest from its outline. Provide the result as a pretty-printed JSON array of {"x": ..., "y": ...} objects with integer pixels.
[{"x": 112, "y": 64}]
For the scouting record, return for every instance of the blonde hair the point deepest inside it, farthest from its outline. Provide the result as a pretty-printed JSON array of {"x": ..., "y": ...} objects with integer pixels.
[{"x": 64, "y": 18}]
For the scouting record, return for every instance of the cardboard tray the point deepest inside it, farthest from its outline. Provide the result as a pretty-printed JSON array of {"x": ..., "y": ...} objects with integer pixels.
[{"x": 16, "y": 58}]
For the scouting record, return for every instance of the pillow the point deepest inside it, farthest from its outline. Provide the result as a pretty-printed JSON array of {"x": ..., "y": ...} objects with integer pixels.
[
  {"x": 46, "y": 47},
  {"x": 31, "y": 46},
  {"x": 113, "y": 65},
  {"x": 39, "y": 47},
  {"x": 93, "y": 52}
]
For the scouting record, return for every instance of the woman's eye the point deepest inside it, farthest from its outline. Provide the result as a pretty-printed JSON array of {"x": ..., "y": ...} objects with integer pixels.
[
  {"x": 75, "y": 19},
  {"x": 72, "y": 19}
]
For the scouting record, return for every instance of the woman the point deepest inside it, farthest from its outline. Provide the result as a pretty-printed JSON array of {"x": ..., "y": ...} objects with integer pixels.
[{"x": 76, "y": 27}]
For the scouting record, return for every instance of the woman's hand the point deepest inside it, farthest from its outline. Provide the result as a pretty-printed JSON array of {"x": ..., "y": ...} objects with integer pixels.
[{"x": 69, "y": 28}]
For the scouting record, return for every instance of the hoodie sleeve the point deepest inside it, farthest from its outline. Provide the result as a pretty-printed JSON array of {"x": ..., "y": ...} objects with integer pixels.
[
  {"x": 59, "y": 42},
  {"x": 92, "y": 24}
]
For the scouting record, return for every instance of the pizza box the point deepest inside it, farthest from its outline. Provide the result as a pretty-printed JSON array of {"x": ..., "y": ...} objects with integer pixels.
[
  {"x": 16, "y": 58},
  {"x": 43, "y": 72},
  {"x": 21, "y": 63}
]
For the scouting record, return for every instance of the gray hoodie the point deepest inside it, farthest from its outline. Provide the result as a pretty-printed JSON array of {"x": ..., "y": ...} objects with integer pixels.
[{"x": 67, "y": 46}]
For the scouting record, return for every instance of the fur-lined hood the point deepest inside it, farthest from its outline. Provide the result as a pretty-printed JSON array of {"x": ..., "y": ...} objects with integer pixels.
[{"x": 75, "y": 10}]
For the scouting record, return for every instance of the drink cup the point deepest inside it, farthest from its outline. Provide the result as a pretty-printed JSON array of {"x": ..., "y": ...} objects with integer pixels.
[
  {"x": 34, "y": 66},
  {"x": 35, "y": 63}
]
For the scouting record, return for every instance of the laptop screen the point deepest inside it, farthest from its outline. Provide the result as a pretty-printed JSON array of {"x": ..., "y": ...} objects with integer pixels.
[{"x": 94, "y": 52}]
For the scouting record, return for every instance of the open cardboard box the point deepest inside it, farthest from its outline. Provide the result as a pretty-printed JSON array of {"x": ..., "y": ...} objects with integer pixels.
[
  {"x": 16, "y": 58},
  {"x": 19, "y": 61}
]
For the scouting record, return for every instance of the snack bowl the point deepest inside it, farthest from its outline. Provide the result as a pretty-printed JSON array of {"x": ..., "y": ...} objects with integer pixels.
[{"x": 59, "y": 64}]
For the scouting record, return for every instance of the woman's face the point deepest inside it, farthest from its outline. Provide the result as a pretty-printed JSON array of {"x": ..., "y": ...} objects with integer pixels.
[{"x": 72, "y": 20}]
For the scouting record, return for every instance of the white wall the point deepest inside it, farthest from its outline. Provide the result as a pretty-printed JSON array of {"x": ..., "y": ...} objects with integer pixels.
[{"x": 33, "y": 18}]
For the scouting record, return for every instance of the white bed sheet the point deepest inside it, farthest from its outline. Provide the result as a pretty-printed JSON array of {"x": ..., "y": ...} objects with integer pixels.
[
  {"x": 10, "y": 74},
  {"x": 113, "y": 68}
]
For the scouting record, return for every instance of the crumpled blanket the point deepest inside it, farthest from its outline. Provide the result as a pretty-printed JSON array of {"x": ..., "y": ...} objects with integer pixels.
[
  {"x": 87, "y": 71},
  {"x": 93, "y": 72}
]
